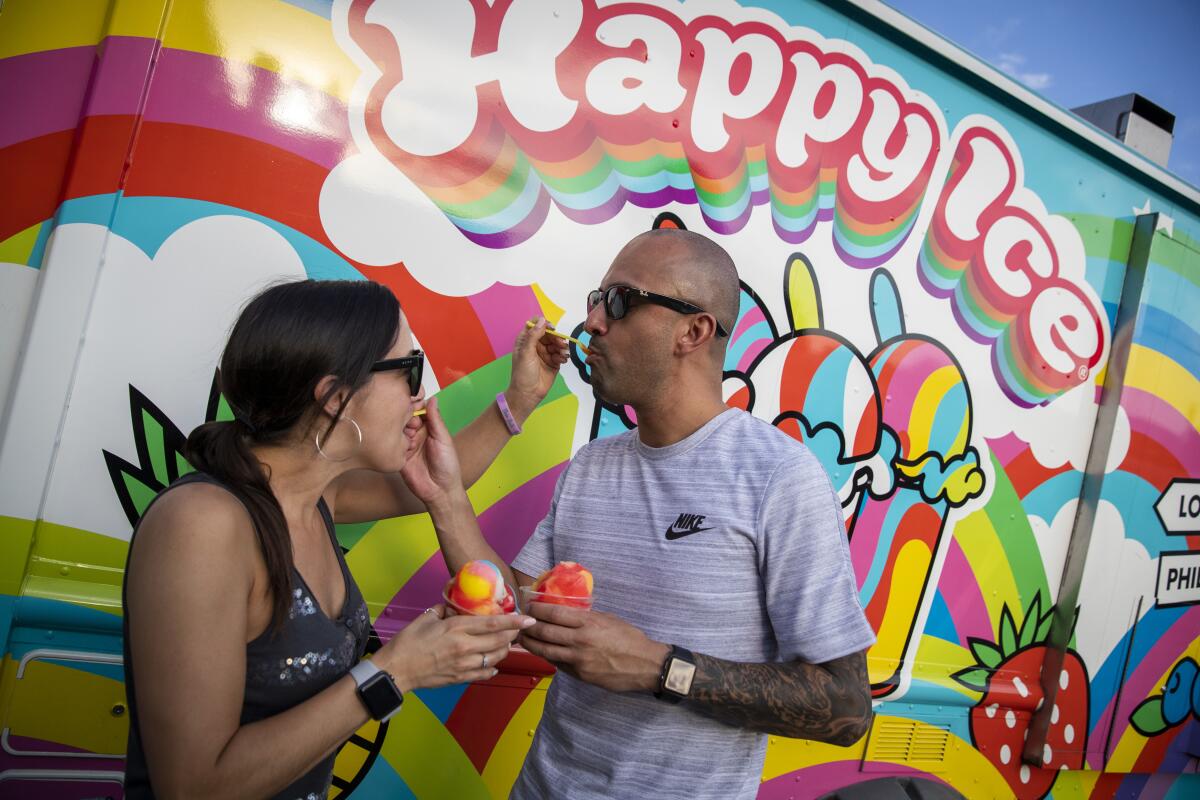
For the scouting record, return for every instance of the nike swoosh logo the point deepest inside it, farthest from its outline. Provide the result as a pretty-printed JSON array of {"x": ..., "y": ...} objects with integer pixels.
[{"x": 673, "y": 533}]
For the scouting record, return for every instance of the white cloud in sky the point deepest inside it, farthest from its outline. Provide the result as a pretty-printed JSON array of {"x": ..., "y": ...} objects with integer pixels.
[{"x": 1014, "y": 65}]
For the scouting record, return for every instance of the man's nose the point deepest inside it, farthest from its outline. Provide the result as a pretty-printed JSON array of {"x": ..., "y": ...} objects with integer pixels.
[{"x": 596, "y": 323}]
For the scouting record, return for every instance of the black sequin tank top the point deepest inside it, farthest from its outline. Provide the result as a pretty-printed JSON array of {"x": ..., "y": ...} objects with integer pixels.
[{"x": 284, "y": 668}]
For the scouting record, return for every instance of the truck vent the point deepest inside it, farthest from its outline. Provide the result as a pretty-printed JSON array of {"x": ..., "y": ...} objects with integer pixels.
[{"x": 903, "y": 740}]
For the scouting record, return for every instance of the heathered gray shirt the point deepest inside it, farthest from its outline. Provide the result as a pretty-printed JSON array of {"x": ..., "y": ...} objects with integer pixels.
[{"x": 729, "y": 543}]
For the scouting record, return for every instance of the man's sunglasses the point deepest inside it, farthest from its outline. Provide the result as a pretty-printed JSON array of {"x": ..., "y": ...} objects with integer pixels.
[
  {"x": 414, "y": 363},
  {"x": 619, "y": 299}
]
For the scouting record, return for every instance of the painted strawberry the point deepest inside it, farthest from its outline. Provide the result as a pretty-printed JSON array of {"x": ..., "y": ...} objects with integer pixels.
[{"x": 1008, "y": 673}]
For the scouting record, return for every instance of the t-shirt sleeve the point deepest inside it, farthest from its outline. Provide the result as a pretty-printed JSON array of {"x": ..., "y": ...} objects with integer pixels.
[
  {"x": 804, "y": 557},
  {"x": 537, "y": 555}
]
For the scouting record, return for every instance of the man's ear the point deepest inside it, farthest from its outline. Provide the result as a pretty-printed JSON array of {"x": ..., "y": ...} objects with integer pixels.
[
  {"x": 701, "y": 329},
  {"x": 337, "y": 398}
]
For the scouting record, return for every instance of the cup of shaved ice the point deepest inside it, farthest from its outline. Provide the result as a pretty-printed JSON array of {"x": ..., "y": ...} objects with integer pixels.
[
  {"x": 479, "y": 590},
  {"x": 567, "y": 583}
]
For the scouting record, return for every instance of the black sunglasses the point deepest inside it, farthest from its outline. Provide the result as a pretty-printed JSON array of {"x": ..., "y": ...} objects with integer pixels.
[
  {"x": 414, "y": 363},
  {"x": 619, "y": 299}
]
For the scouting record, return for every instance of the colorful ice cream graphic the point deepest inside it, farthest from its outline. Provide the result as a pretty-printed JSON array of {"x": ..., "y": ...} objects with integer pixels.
[{"x": 927, "y": 403}]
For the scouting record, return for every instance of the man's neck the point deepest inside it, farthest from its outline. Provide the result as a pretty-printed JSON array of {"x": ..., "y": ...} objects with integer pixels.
[{"x": 678, "y": 416}]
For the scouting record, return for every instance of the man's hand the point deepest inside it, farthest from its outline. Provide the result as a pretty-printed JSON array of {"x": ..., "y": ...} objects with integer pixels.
[
  {"x": 536, "y": 358},
  {"x": 595, "y": 647}
]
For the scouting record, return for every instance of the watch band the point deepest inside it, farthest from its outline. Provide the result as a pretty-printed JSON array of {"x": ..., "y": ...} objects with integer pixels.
[
  {"x": 364, "y": 670},
  {"x": 376, "y": 690}
]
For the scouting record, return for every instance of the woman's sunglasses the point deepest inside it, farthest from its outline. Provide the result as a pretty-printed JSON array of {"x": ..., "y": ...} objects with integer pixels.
[
  {"x": 619, "y": 299},
  {"x": 414, "y": 363}
]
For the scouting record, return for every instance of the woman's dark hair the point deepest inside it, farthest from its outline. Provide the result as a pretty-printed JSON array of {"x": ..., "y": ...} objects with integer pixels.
[{"x": 285, "y": 341}]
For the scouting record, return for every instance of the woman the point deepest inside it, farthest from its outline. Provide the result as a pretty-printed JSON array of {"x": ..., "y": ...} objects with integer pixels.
[{"x": 242, "y": 622}]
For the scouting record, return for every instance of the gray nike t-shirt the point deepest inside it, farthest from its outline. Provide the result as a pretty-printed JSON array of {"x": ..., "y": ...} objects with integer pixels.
[{"x": 729, "y": 543}]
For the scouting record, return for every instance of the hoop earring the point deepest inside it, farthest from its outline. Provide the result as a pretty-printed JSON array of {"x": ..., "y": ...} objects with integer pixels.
[{"x": 317, "y": 441}]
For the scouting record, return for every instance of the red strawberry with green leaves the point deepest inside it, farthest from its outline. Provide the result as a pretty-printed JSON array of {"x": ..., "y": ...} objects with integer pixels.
[{"x": 1008, "y": 673}]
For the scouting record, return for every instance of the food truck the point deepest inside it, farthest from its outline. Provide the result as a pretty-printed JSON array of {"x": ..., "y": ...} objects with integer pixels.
[{"x": 976, "y": 309}]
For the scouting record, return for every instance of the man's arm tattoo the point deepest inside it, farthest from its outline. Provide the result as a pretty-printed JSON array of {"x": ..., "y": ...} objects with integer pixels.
[{"x": 828, "y": 702}]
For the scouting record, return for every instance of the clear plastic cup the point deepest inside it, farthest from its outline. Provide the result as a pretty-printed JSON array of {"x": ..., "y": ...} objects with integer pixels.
[
  {"x": 460, "y": 610},
  {"x": 530, "y": 595}
]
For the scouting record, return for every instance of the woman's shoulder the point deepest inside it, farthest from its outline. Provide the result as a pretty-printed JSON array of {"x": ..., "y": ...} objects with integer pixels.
[{"x": 198, "y": 514}]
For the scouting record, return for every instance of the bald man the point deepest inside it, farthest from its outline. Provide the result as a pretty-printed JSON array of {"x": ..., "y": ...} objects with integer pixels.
[{"x": 725, "y": 604}]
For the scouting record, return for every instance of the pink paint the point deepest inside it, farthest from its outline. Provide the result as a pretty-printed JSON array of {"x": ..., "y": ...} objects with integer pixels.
[
  {"x": 502, "y": 310},
  {"x": 43, "y": 92},
  {"x": 824, "y": 778},
  {"x": 752, "y": 318},
  {"x": 1007, "y": 447},
  {"x": 1159, "y": 420},
  {"x": 864, "y": 538},
  {"x": 959, "y": 586}
]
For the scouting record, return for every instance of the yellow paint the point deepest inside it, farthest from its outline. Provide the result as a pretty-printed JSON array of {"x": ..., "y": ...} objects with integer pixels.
[
  {"x": 1156, "y": 373},
  {"x": 276, "y": 36},
  {"x": 69, "y": 706},
  {"x": 908, "y": 574},
  {"x": 427, "y": 757},
  {"x": 978, "y": 539},
  {"x": 925, "y": 407},
  {"x": 279, "y": 37},
  {"x": 504, "y": 764},
  {"x": 965, "y": 767},
  {"x": 550, "y": 310},
  {"x": 937, "y": 660},
  {"x": 1075, "y": 785},
  {"x": 802, "y": 295},
  {"x": 788, "y": 755},
  {"x": 30, "y": 26},
  {"x": 1126, "y": 753},
  {"x": 17, "y": 248},
  {"x": 394, "y": 549}
]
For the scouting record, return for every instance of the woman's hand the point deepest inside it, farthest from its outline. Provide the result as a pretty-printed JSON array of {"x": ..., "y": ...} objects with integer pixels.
[
  {"x": 435, "y": 650},
  {"x": 536, "y": 358},
  {"x": 431, "y": 469}
]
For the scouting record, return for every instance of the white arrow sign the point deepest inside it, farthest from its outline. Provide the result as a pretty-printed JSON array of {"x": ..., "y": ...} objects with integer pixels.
[{"x": 1179, "y": 507}]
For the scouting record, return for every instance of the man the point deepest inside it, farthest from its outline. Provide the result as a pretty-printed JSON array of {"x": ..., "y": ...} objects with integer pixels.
[{"x": 725, "y": 603}]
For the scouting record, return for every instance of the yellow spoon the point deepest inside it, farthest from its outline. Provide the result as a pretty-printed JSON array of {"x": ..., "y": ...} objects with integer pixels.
[{"x": 561, "y": 335}]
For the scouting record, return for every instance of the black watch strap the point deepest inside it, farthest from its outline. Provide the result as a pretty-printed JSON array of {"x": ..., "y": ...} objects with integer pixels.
[{"x": 669, "y": 684}]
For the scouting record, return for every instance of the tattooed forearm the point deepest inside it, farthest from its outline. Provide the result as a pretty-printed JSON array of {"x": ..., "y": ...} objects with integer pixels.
[{"x": 829, "y": 702}]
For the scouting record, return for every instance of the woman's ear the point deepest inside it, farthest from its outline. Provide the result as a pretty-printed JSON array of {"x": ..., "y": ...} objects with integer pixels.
[{"x": 335, "y": 396}]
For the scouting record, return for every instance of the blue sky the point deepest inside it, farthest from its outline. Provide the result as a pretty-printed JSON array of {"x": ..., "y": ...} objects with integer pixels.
[{"x": 1079, "y": 52}]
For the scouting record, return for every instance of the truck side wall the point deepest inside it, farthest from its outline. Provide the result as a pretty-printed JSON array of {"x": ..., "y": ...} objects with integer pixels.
[{"x": 933, "y": 276}]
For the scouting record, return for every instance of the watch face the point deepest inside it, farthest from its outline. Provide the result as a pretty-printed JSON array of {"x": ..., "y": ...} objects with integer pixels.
[
  {"x": 380, "y": 696},
  {"x": 679, "y": 676}
]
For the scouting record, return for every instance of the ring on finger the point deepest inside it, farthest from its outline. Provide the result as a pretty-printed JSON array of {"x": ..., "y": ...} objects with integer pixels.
[{"x": 484, "y": 661}]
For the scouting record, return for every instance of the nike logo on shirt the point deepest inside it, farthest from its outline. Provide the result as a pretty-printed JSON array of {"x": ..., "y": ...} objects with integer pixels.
[{"x": 686, "y": 525}]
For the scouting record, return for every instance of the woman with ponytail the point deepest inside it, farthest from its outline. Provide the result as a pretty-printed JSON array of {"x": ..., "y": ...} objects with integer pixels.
[{"x": 244, "y": 630}]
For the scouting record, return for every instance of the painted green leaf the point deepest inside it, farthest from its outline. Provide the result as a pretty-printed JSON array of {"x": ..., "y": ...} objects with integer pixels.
[
  {"x": 1029, "y": 626},
  {"x": 1008, "y": 633},
  {"x": 156, "y": 445},
  {"x": 1044, "y": 625},
  {"x": 986, "y": 653},
  {"x": 974, "y": 678},
  {"x": 139, "y": 493},
  {"x": 1147, "y": 719}
]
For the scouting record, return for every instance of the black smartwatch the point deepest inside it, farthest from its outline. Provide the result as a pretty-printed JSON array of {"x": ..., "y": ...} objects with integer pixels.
[
  {"x": 377, "y": 690},
  {"x": 678, "y": 672}
]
